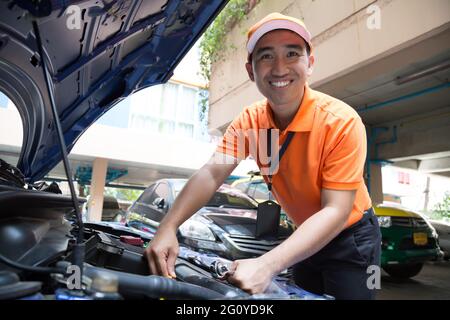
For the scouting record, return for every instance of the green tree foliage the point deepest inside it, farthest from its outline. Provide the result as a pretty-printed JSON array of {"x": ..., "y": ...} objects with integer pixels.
[
  {"x": 212, "y": 45},
  {"x": 442, "y": 209},
  {"x": 123, "y": 194}
]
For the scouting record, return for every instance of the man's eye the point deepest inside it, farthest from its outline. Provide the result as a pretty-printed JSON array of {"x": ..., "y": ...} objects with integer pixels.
[
  {"x": 265, "y": 57},
  {"x": 293, "y": 54}
]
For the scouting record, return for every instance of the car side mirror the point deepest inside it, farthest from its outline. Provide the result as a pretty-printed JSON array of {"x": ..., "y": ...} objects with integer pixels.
[{"x": 159, "y": 203}]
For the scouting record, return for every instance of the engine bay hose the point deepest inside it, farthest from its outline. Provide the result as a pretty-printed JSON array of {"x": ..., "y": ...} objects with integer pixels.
[{"x": 155, "y": 286}]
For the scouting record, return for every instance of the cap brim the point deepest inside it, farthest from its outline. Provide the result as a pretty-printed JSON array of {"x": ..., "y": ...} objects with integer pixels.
[{"x": 275, "y": 25}]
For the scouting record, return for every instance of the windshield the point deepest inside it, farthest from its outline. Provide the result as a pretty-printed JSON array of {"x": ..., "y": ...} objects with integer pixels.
[
  {"x": 227, "y": 200},
  {"x": 225, "y": 197}
]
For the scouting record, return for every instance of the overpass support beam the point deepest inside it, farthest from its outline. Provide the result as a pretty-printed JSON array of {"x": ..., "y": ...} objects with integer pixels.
[
  {"x": 376, "y": 183},
  {"x": 98, "y": 180}
]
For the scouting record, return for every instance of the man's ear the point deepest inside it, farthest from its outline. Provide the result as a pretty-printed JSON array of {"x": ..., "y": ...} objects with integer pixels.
[
  {"x": 310, "y": 65},
  {"x": 249, "y": 68}
]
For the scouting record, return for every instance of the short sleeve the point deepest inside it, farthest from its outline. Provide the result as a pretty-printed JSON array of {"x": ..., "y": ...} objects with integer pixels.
[
  {"x": 235, "y": 140},
  {"x": 344, "y": 163}
]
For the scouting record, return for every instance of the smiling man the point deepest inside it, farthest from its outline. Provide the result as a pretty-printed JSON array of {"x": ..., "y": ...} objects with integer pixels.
[{"x": 319, "y": 179}]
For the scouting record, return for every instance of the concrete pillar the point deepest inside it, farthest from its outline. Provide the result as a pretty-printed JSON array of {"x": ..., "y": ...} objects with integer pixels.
[
  {"x": 98, "y": 180},
  {"x": 376, "y": 184}
]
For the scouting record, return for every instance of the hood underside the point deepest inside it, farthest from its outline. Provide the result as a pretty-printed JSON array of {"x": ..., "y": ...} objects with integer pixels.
[{"x": 97, "y": 53}]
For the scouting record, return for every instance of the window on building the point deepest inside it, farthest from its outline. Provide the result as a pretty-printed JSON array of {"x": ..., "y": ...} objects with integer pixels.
[
  {"x": 403, "y": 177},
  {"x": 147, "y": 102},
  {"x": 153, "y": 103},
  {"x": 166, "y": 127},
  {"x": 171, "y": 108},
  {"x": 185, "y": 130},
  {"x": 187, "y": 107},
  {"x": 118, "y": 116},
  {"x": 169, "y": 100}
]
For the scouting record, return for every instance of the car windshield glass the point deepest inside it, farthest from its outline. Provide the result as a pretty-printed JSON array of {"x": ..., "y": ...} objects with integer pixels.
[
  {"x": 229, "y": 200},
  {"x": 225, "y": 197},
  {"x": 177, "y": 185}
]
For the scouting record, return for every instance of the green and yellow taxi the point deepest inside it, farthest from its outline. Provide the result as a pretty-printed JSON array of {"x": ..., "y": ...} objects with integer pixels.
[{"x": 408, "y": 240}]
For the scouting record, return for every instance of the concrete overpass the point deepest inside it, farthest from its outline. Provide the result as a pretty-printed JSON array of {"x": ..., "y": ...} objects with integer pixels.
[{"x": 389, "y": 59}]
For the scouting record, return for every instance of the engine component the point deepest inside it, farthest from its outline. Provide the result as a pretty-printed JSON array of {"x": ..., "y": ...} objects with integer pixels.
[
  {"x": 137, "y": 286},
  {"x": 12, "y": 288}
]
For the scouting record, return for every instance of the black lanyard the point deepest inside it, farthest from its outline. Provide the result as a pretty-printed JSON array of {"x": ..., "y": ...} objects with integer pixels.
[{"x": 280, "y": 153}]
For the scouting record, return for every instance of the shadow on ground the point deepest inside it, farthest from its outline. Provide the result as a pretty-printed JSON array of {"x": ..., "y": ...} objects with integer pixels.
[{"x": 432, "y": 283}]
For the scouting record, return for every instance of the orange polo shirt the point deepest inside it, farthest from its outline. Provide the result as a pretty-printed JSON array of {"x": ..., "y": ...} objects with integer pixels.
[{"x": 327, "y": 151}]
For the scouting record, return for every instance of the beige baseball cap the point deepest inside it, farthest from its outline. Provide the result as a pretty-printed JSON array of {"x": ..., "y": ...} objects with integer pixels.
[{"x": 276, "y": 21}]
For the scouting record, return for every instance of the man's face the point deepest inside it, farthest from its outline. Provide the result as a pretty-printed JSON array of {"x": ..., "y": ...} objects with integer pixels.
[{"x": 280, "y": 67}]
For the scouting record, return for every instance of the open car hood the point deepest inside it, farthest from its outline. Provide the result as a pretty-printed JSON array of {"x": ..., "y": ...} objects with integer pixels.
[{"x": 97, "y": 53}]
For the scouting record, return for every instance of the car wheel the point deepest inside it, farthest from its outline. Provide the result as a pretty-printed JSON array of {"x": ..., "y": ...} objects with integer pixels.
[{"x": 404, "y": 271}]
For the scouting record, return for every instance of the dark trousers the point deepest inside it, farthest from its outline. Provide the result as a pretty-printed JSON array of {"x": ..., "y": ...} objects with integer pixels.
[{"x": 340, "y": 269}]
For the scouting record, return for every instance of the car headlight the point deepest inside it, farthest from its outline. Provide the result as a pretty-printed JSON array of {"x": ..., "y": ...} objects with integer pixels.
[
  {"x": 384, "y": 222},
  {"x": 197, "y": 230},
  {"x": 434, "y": 233}
]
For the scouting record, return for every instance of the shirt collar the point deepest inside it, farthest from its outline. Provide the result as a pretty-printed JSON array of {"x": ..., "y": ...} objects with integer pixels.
[{"x": 303, "y": 119}]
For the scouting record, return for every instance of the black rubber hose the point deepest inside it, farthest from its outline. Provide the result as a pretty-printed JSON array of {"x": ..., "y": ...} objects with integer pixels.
[
  {"x": 132, "y": 285},
  {"x": 227, "y": 291},
  {"x": 20, "y": 266}
]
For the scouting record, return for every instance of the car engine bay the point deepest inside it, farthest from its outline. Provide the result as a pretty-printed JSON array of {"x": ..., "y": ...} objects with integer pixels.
[{"x": 39, "y": 231}]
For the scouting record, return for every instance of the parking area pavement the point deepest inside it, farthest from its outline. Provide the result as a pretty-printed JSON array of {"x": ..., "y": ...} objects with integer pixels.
[{"x": 432, "y": 283}]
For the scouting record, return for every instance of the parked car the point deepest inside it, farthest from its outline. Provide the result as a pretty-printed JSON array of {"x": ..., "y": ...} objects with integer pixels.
[
  {"x": 255, "y": 186},
  {"x": 408, "y": 240},
  {"x": 443, "y": 230},
  {"x": 226, "y": 226},
  {"x": 111, "y": 210}
]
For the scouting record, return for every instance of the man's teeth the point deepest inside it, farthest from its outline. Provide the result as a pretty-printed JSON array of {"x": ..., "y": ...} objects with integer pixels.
[{"x": 280, "y": 84}]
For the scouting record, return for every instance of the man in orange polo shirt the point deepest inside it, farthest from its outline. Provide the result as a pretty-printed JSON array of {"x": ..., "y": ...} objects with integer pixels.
[{"x": 318, "y": 179}]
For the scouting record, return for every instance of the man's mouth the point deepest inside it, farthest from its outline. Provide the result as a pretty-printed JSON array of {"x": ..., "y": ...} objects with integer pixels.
[{"x": 280, "y": 84}]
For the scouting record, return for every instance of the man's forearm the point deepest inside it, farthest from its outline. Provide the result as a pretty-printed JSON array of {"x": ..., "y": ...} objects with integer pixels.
[
  {"x": 196, "y": 193},
  {"x": 190, "y": 200},
  {"x": 309, "y": 238}
]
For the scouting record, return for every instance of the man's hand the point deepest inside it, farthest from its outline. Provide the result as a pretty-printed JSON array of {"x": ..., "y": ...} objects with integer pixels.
[
  {"x": 251, "y": 275},
  {"x": 162, "y": 253},
  {"x": 163, "y": 249}
]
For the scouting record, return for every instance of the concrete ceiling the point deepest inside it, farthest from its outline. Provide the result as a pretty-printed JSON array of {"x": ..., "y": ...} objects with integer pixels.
[
  {"x": 138, "y": 174},
  {"x": 412, "y": 81},
  {"x": 377, "y": 82}
]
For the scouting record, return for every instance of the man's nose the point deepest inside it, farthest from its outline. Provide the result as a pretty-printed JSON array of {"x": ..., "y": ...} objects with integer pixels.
[{"x": 279, "y": 68}]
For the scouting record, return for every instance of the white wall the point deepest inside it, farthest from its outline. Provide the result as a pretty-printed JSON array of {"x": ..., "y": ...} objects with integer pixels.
[{"x": 412, "y": 195}]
